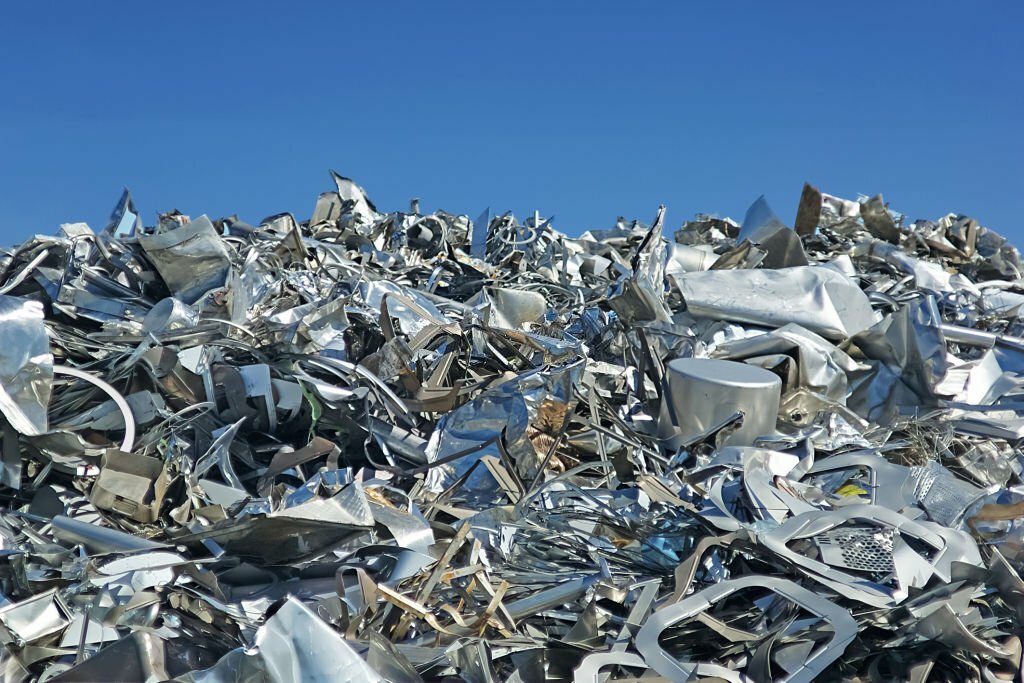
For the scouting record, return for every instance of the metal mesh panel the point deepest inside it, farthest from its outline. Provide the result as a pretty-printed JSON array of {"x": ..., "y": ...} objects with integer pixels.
[
  {"x": 864, "y": 548},
  {"x": 942, "y": 495}
]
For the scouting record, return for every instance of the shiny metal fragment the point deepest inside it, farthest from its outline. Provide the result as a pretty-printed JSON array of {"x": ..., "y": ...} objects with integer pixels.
[{"x": 820, "y": 299}]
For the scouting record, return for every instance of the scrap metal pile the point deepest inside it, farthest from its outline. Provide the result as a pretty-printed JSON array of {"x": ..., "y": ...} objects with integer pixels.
[{"x": 412, "y": 447}]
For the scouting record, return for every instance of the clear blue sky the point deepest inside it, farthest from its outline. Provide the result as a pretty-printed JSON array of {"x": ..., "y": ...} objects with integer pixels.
[{"x": 581, "y": 110}]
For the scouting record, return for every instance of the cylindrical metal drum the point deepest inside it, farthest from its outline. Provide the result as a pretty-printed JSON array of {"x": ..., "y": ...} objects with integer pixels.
[
  {"x": 692, "y": 259},
  {"x": 704, "y": 393}
]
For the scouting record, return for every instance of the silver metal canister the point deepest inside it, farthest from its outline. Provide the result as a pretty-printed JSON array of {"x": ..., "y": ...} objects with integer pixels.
[{"x": 704, "y": 393}]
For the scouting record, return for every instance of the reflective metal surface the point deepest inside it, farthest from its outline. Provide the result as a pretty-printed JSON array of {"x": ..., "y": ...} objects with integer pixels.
[{"x": 412, "y": 446}]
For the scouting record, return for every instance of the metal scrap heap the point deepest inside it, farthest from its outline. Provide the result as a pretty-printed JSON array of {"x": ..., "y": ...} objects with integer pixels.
[{"x": 402, "y": 447}]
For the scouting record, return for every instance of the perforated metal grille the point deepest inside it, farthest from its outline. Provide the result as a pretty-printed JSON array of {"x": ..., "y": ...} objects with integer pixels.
[
  {"x": 865, "y": 549},
  {"x": 944, "y": 497},
  {"x": 924, "y": 478}
]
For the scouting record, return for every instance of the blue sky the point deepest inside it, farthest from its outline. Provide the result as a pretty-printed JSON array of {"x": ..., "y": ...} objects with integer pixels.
[{"x": 584, "y": 111}]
